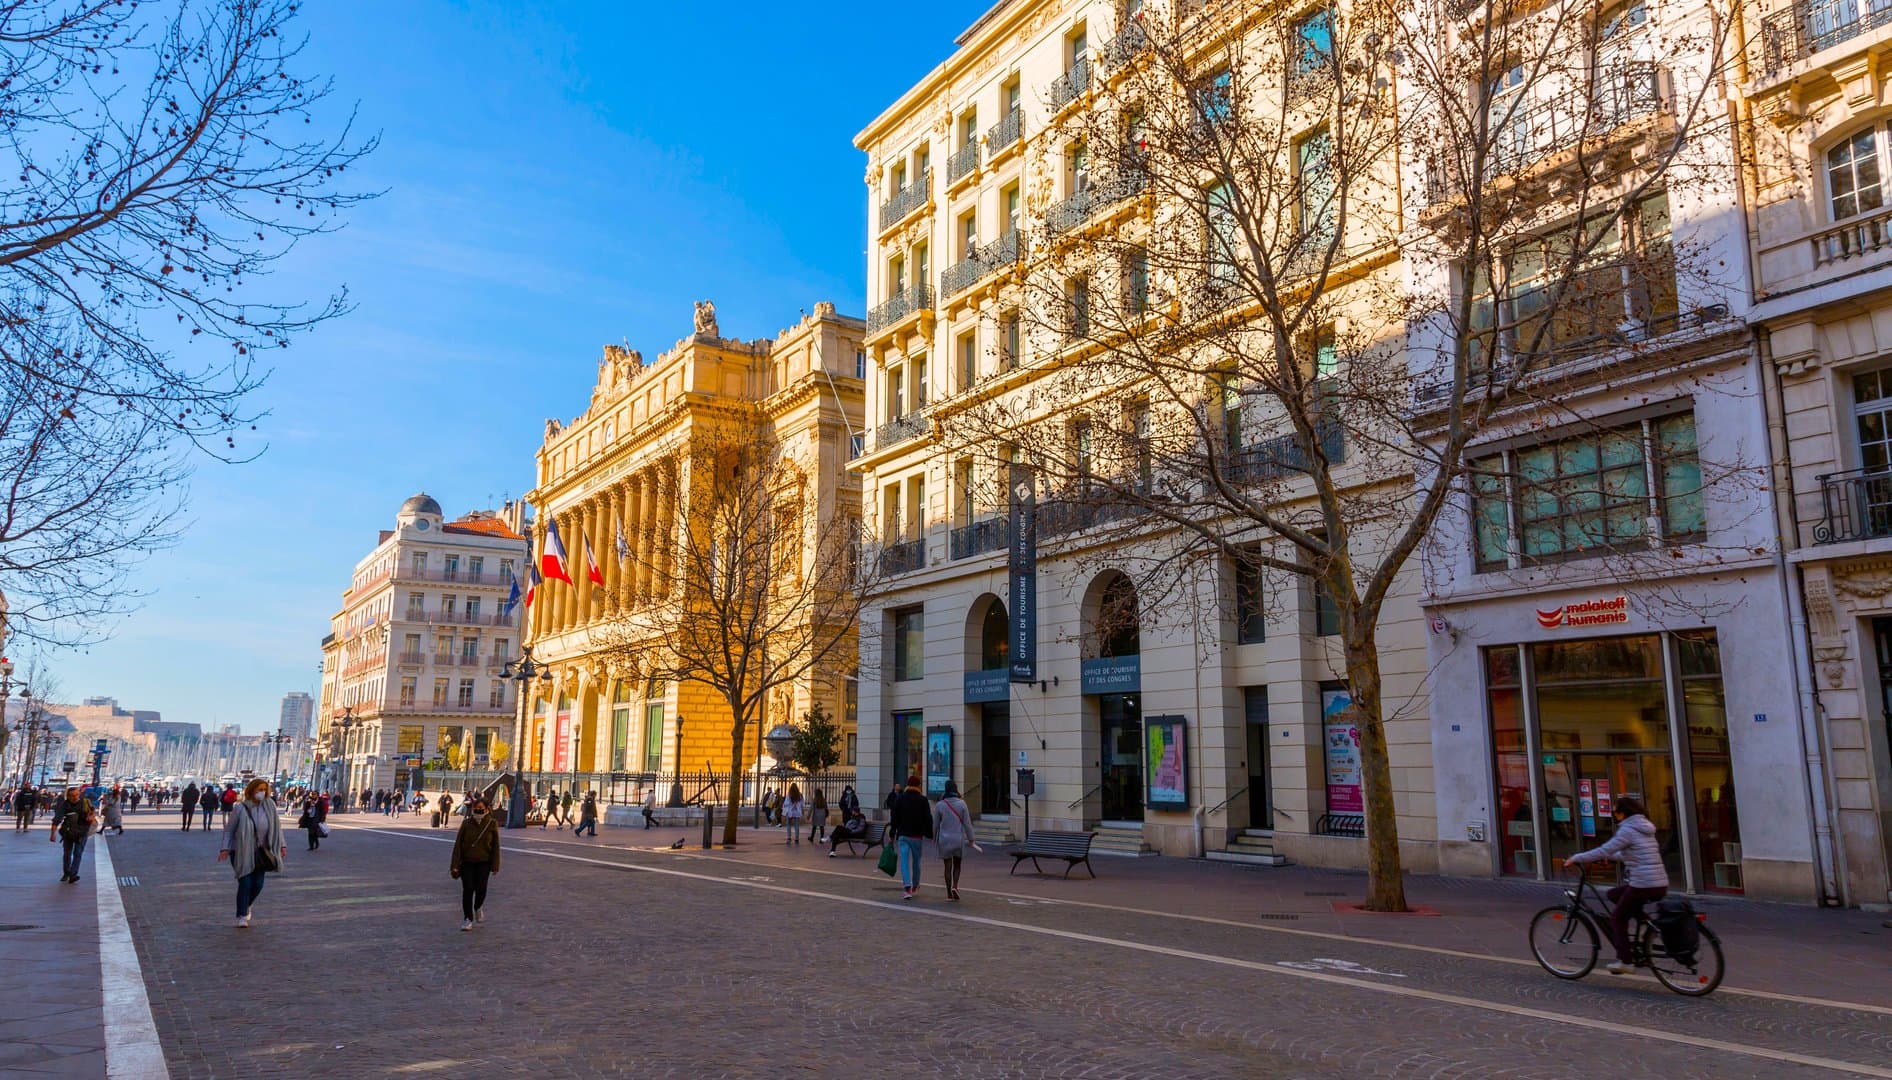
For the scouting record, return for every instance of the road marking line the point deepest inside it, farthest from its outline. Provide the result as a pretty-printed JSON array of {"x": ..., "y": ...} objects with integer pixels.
[
  {"x": 1611, "y": 1027},
  {"x": 132, "y": 1050},
  {"x": 1212, "y": 920}
]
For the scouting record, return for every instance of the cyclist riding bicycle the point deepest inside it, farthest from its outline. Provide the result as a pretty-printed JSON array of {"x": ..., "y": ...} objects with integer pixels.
[{"x": 1644, "y": 881}]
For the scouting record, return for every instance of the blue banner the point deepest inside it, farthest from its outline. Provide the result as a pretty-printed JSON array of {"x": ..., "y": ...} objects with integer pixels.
[
  {"x": 984, "y": 686},
  {"x": 1112, "y": 675},
  {"x": 1023, "y": 567}
]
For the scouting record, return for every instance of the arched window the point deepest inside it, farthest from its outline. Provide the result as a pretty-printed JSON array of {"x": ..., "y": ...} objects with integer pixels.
[{"x": 995, "y": 639}]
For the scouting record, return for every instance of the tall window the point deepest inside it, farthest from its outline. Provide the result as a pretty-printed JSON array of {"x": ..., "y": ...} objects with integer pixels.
[
  {"x": 909, "y": 645},
  {"x": 1082, "y": 441},
  {"x": 1229, "y": 386},
  {"x": 1852, "y": 174},
  {"x": 465, "y": 699},
  {"x": 1510, "y": 119},
  {"x": 451, "y": 566},
  {"x": 476, "y": 567},
  {"x": 469, "y": 649},
  {"x": 1872, "y": 415},
  {"x": 1215, "y": 96},
  {"x": 920, "y": 386},
  {"x": 1623, "y": 487},
  {"x": 968, "y": 359},
  {"x": 408, "y": 688},
  {"x": 1251, "y": 620},
  {"x": 416, "y": 603},
  {"x": 1311, "y": 54},
  {"x": 1326, "y": 612},
  {"x": 1314, "y": 164},
  {"x": 1077, "y": 297},
  {"x": 896, "y": 392},
  {"x": 1136, "y": 282},
  {"x": 963, "y": 492},
  {"x": 1012, "y": 336},
  {"x": 449, "y": 605},
  {"x": 1220, "y": 236},
  {"x": 440, "y": 693},
  {"x": 420, "y": 562},
  {"x": 1140, "y": 446}
]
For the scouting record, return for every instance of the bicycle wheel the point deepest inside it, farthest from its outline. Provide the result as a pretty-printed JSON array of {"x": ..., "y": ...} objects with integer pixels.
[
  {"x": 1697, "y": 979},
  {"x": 1564, "y": 942}
]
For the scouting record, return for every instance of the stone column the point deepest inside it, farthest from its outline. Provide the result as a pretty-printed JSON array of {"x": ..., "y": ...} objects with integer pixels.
[
  {"x": 667, "y": 526},
  {"x": 587, "y": 530},
  {"x": 647, "y": 517}
]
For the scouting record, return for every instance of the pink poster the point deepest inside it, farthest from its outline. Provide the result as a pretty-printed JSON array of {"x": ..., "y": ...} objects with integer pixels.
[
  {"x": 561, "y": 743},
  {"x": 1344, "y": 793}
]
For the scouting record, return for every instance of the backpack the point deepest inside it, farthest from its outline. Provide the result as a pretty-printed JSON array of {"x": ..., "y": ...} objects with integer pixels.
[
  {"x": 1681, "y": 933},
  {"x": 74, "y": 826}
]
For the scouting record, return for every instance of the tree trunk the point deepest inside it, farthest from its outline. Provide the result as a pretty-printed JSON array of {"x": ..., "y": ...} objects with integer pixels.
[
  {"x": 1385, "y": 880},
  {"x": 735, "y": 778}
]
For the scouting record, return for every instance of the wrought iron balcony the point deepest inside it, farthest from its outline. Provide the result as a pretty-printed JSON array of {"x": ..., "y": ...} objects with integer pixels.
[
  {"x": 1083, "y": 510},
  {"x": 981, "y": 263},
  {"x": 992, "y": 534},
  {"x": 1522, "y": 134},
  {"x": 1071, "y": 85},
  {"x": 1284, "y": 455},
  {"x": 903, "y": 558},
  {"x": 1005, "y": 132},
  {"x": 963, "y": 162},
  {"x": 1076, "y": 210},
  {"x": 1123, "y": 48},
  {"x": 891, "y": 433},
  {"x": 1800, "y": 30},
  {"x": 908, "y": 301},
  {"x": 1854, "y": 505},
  {"x": 906, "y": 200}
]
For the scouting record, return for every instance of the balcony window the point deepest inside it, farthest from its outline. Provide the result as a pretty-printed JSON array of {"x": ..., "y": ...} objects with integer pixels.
[
  {"x": 466, "y": 693},
  {"x": 1077, "y": 299},
  {"x": 1229, "y": 385},
  {"x": 909, "y": 645},
  {"x": 1012, "y": 335},
  {"x": 896, "y": 393},
  {"x": 1314, "y": 166},
  {"x": 1629, "y": 486},
  {"x": 968, "y": 359},
  {"x": 440, "y": 693},
  {"x": 920, "y": 384},
  {"x": 1251, "y": 620},
  {"x": 1326, "y": 612},
  {"x": 1311, "y": 54},
  {"x": 1136, "y": 282},
  {"x": 472, "y": 608},
  {"x": 407, "y": 691},
  {"x": 1853, "y": 175},
  {"x": 1219, "y": 230},
  {"x": 1215, "y": 97},
  {"x": 451, "y": 567}
]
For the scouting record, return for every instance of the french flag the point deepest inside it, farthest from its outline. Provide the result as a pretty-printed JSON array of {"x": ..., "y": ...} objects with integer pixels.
[
  {"x": 532, "y": 590},
  {"x": 591, "y": 563},
  {"x": 552, "y": 560}
]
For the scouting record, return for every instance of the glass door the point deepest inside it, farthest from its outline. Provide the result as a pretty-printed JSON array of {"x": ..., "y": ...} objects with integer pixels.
[
  {"x": 1260, "y": 799},
  {"x": 1122, "y": 757},
  {"x": 995, "y": 753},
  {"x": 1580, "y": 790}
]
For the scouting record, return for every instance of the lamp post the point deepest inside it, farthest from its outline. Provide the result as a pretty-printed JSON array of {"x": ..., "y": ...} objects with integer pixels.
[
  {"x": 340, "y": 749},
  {"x": 676, "y": 771},
  {"x": 523, "y": 672},
  {"x": 275, "y": 762}
]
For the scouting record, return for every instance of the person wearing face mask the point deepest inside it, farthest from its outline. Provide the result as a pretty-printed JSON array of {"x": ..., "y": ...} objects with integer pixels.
[
  {"x": 252, "y": 841},
  {"x": 475, "y": 859}
]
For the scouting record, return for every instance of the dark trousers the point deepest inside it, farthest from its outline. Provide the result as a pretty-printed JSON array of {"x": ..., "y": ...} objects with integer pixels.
[
  {"x": 23, "y": 818},
  {"x": 207, "y": 816},
  {"x": 473, "y": 877},
  {"x": 188, "y": 814},
  {"x": 590, "y": 824},
  {"x": 249, "y": 887},
  {"x": 1628, "y": 900},
  {"x": 315, "y": 838},
  {"x": 75, "y": 851},
  {"x": 649, "y": 818}
]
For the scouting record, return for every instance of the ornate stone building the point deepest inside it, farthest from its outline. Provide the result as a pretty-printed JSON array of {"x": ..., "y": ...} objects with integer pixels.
[{"x": 621, "y": 472}]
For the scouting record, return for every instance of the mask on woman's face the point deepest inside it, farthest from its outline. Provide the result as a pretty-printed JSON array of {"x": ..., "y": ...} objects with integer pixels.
[
  {"x": 258, "y": 797},
  {"x": 479, "y": 811}
]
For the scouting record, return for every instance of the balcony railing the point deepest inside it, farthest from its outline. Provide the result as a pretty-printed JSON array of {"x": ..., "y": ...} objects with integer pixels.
[
  {"x": 1860, "y": 236},
  {"x": 1071, "y": 85},
  {"x": 1797, "y": 32},
  {"x": 412, "y": 659},
  {"x": 1123, "y": 48},
  {"x": 963, "y": 162},
  {"x": 897, "y": 430},
  {"x": 477, "y": 707},
  {"x": 1854, "y": 505},
  {"x": 992, "y": 534},
  {"x": 457, "y": 618},
  {"x": 979, "y": 264},
  {"x": 906, "y": 200},
  {"x": 903, "y": 558},
  {"x": 1005, "y": 132},
  {"x": 1510, "y": 367},
  {"x": 1095, "y": 196},
  {"x": 1084, "y": 510},
  {"x": 914, "y": 298},
  {"x": 1284, "y": 455},
  {"x": 1523, "y": 133}
]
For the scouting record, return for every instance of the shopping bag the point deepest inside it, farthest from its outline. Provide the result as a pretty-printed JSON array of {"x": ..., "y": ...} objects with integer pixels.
[
  {"x": 321, "y": 829},
  {"x": 889, "y": 860}
]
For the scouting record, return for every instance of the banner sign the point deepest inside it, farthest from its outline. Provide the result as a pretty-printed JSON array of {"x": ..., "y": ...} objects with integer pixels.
[
  {"x": 1111, "y": 675},
  {"x": 1166, "y": 763},
  {"x": 985, "y": 686},
  {"x": 1342, "y": 738},
  {"x": 939, "y": 760},
  {"x": 1022, "y": 564},
  {"x": 562, "y": 743}
]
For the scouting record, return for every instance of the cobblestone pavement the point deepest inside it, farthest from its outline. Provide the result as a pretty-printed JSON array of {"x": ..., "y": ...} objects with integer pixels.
[{"x": 618, "y": 956}]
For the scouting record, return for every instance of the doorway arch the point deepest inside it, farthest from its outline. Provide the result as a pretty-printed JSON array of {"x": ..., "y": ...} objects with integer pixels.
[{"x": 989, "y": 650}]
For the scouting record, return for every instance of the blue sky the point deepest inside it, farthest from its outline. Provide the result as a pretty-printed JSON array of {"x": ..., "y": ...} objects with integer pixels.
[{"x": 558, "y": 175}]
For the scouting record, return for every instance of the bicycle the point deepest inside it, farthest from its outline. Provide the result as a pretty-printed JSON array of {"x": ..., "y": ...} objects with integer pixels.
[{"x": 1566, "y": 941}]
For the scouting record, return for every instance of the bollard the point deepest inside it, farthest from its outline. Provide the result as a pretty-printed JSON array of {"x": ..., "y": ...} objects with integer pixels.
[{"x": 709, "y": 822}]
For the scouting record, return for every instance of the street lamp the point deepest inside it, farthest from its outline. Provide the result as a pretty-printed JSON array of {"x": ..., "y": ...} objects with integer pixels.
[
  {"x": 524, "y": 671},
  {"x": 339, "y": 744},
  {"x": 275, "y": 764}
]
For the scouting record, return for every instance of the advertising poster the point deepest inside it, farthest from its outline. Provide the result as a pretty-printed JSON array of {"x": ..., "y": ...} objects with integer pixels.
[
  {"x": 939, "y": 760},
  {"x": 562, "y": 743},
  {"x": 1165, "y": 762},
  {"x": 1604, "y": 803},
  {"x": 1586, "y": 807},
  {"x": 1342, "y": 738}
]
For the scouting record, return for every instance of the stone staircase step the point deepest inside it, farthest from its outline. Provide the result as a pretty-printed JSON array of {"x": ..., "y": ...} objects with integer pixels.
[
  {"x": 1249, "y": 858},
  {"x": 1121, "y": 843}
]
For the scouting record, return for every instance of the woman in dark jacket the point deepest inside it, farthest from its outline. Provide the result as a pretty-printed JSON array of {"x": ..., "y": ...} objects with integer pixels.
[
  {"x": 912, "y": 823},
  {"x": 475, "y": 858},
  {"x": 189, "y": 805},
  {"x": 308, "y": 822},
  {"x": 209, "y": 803}
]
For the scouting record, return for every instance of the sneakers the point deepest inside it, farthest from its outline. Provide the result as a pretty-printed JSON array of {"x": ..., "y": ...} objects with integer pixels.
[
  {"x": 830, "y": 854},
  {"x": 479, "y": 915},
  {"x": 906, "y": 894},
  {"x": 243, "y": 922},
  {"x": 1617, "y": 967},
  {"x": 466, "y": 927}
]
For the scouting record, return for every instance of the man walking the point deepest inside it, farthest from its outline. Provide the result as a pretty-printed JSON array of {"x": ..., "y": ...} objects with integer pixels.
[
  {"x": 25, "y": 801},
  {"x": 191, "y": 795},
  {"x": 72, "y": 823},
  {"x": 650, "y": 808}
]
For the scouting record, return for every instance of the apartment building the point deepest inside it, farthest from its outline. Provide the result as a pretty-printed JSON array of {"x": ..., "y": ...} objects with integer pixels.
[
  {"x": 1814, "y": 104},
  {"x": 412, "y": 661},
  {"x": 1211, "y": 716},
  {"x": 620, "y": 473}
]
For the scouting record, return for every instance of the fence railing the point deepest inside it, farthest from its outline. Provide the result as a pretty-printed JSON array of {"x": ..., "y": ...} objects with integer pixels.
[
  {"x": 962, "y": 162},
  {"x": 1005, "y": 132},
  {"x": 914, "y": 298},
  {"x": 906, "y": 200},
  {"x": 902, "y": 558},
  {"x": 1284, "y": 455},
  {"x": 1522, "y": 133},
  {"x": 1800, "y": 30},
  {"x": 1071, "y": 85},
  {"x": 980, "y": 263},
  {"x": 1854, "y": 505},
  {"x": 1074, "y": 211},
  {"x": 1353, "y": 825},
  {"x": 1123, "y": 48},
  {"x": 992, "y": 534},
  {"x": 1861, "y": 236},
  {"x": 627, "y": 787}
]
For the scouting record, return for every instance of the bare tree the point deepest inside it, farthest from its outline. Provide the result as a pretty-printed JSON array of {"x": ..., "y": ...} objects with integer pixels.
[
  {"x": 1300, "y": 266},
  {"x": 758, "y": 596},
  {"x": 159, "y": 160}
]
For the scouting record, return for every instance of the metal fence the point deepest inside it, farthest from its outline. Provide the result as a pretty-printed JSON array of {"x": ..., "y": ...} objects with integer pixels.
[{"x": 628, "y": 788}]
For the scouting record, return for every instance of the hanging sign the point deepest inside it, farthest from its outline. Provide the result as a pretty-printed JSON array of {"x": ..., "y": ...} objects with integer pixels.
[
  {"x": 1022, "y": 566},
  {"x": 1602, "y": 611}
]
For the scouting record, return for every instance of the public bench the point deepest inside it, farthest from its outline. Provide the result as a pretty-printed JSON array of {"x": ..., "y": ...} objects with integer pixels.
[
  {"x": 873, "y": 835},
  {"x": 1072, "y": 847}
]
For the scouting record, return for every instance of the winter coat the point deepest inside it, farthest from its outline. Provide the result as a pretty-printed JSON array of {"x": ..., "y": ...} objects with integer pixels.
[
  {"x": 209, "y": 801},
  {"x": 190, "y": 797},
  {"x": 952, "y": 827},
  {"x": 1635, "y": 846},
  {"x": 477, "y": 841},
  {"x": 589, "y": 812},
  {"x": 912, "y": 815},
  {"x": 113, "y": 816},
  {"x": 252, "y": 825}
]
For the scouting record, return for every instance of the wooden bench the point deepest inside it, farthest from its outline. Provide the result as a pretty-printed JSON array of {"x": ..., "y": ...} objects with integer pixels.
[
  {"x": 1072, "y": 847},
  {"x": 873, "y": 835}
]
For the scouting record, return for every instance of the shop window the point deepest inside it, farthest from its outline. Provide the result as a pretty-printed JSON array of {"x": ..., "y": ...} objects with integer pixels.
[
  {"x": 1625, "y": 487},
  {"x": 1251, "y": 621},
  {"x": 407, "y": 739},
  {"x": 1326, "y": 612},
  {"x": 909, "y": 645}
]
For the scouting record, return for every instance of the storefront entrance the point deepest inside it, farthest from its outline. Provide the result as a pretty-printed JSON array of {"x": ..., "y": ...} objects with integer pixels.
[
  {"x": 1577, "y": 725},
  {"x": 1260, "y": 799},
  {"x": 1121, "y": 748},
  {"x": 995, "y": 755}
]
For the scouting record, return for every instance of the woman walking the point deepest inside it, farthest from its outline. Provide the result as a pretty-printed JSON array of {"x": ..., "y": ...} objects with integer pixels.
[
  {"x": 791, "y": 814},
  {"x": 113, "y": 813},
  {"x": 252, "y": 841},
  {"x": 208, "y": 803},
  {"x": 475, "y": 859},
  {"x": 913, "y": 824},
  {"x": 818, "y": 815},
  {"x": 952, "y": 834},
  {"x": 309, "y": 822}
]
